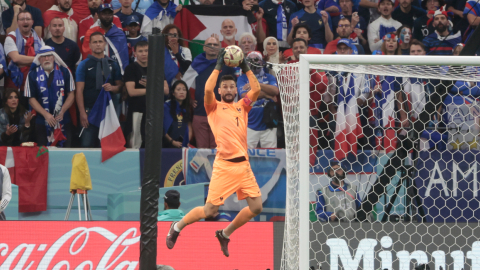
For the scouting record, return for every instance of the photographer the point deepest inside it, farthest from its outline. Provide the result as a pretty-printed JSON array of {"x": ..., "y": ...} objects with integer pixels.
[{"x": 338, "y": 201}]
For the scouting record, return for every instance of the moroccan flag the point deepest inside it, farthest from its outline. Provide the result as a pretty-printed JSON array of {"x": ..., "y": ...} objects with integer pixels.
[
  {"x": 28, "y": 167},
  {"x": 200, "y": 22}
]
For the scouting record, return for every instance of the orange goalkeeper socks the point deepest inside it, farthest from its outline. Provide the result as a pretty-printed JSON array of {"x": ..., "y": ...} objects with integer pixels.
[
  {"x": 194, "y": 215},
  {"x": 244, "y": 216}
]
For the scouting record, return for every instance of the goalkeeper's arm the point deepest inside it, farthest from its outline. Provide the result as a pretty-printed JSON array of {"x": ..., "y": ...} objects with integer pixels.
[
  {"x": 254, "y": 85},
  {"x": 209, "y": 86}
]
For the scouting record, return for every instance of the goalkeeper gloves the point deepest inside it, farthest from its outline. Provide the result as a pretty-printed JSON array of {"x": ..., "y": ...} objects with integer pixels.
[
  {"x": 244, "y": 66},
  {"x": 220, "y": 61}
]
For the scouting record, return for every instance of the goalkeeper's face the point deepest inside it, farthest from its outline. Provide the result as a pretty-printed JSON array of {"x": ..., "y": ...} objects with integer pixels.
[{"x": 228, "y": 90}]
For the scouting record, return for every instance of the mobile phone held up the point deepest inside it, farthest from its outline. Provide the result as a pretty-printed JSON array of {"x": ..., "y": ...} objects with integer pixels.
[{"x": 255, "y": 8}]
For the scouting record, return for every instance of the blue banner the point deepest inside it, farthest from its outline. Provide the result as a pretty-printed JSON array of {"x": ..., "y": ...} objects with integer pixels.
[
  {"x": 448, "y": 184},
  {"x": 172, "y": 167}
]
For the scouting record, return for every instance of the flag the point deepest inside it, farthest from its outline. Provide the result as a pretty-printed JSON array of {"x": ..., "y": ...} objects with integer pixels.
[
  {"x": 104, "y": 117},
  {"x": 348, "y": 128},
  {"x": 28, "y": 168},
  {"x": 385, "y": 113},
  {"x": 200, "y": 22},
  {"x": 199, "y": 64}
]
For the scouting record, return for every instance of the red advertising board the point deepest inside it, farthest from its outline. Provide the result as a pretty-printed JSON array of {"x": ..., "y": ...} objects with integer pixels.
[{"x": 65, "y": 245}]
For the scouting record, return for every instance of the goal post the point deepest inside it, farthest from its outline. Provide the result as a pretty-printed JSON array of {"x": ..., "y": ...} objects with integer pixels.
[{"x": 294, "y": 82}]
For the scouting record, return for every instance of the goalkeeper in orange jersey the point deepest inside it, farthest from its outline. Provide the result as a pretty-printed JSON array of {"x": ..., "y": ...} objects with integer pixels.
[{"x": 231, "y": 169}]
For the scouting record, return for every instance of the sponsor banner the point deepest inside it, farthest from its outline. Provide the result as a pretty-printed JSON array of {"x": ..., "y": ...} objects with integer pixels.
[
  {"x": 46, "y": 245},
  {"x": 172, "y": 167},
  {"x": 448, "y": 184},
  {"x": 462, "y": 121},
  {"x": 268, "y": 165},
  {"x": 399, "y": 246}
]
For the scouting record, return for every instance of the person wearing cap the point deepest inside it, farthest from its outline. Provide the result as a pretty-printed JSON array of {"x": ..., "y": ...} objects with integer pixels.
[
  {"x": 319, "y": 22},
  {"x": 87, "y": 22},
  {"x": 10, "y": 17},
  {"x": 133, "y": 35},
  {"x": 406, "y": 13},
  {"x": 338, "y": 201},
  {"x": 116, "y": 39},
  {"x": 21, "y": 46},
  {"x": 260, "y": 132},
  {"x": 383, "y": 25},
  {"x": 421, "y": 28},
  {"x": 63, "y": 11},
  {"x": 442, "y": 41},
  {"x": 126, "y": 13},
  {"x": 160, "y": 14},
  {"x": 66, "y": 48},
  {"x": 49, "y": 89},
  {"x": 344, "y": 31},
  {"x": 171, "y": 203}
]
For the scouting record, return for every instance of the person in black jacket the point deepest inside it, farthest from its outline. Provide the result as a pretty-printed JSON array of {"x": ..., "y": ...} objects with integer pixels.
[{"x": 14, "y": 120}]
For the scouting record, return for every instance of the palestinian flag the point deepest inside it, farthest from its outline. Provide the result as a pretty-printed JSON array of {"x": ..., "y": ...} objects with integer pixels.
[{"x": 199, "y": 22}]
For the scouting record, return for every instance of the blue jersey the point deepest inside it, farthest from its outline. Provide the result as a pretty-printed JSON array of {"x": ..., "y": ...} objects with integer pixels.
[
  {"x": 437, "y": 45},
  {"x": 270, "y": 15},
  {"x": 255, "y": 116},
  {"x": 316, "y": 24}
]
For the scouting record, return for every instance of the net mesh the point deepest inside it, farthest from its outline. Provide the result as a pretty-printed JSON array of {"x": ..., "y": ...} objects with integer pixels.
[{"x": 406, "y": 139}]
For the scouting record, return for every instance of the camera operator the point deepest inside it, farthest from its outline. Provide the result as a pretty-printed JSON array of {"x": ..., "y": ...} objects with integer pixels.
[{"x": 339, "y": 200}]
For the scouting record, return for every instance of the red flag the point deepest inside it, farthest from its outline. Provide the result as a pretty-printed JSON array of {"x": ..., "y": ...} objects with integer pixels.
[
  {"x": 50, "y": 14},
  {"x": 188, "y": 22}
]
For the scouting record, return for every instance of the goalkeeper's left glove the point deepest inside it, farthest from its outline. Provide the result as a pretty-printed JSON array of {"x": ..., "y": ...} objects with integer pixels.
[
  {"x": 244, "y": 66},
  {"x": 220, "y": 61}
]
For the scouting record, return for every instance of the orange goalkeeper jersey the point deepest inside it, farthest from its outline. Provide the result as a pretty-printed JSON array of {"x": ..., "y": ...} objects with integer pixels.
[{"x": 229, "y": 121}]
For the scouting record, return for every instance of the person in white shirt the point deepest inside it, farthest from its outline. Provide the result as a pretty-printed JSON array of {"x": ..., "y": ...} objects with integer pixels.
[
  {"x": 5, "y": 190},
  {"x": 383, "y": 25}
]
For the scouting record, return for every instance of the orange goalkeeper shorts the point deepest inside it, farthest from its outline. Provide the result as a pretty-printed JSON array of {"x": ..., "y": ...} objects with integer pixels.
[{"x": 230, "y": 177}]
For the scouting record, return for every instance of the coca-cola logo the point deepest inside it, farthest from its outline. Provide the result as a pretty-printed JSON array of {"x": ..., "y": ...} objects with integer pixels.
[{"x": 58, "y": 245}]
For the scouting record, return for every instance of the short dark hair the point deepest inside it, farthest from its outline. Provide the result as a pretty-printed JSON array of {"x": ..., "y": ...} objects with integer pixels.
[
  {"x": 227, "y": 78},
  {"x": 301, "y": 25},
  {"x": 418, "y": 43},
  {"x": 96, "y": 34},
  {"x": 300, "y": 39},
  {"x": 24, "y": 11},
  {"x": 343, "y": 19},
  {"x": 141, "y": 43},
  {"x": 172, "y": 199}
]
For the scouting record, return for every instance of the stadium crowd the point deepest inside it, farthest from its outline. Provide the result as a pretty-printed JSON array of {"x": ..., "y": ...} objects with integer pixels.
[{"x": 57, "y": 55}]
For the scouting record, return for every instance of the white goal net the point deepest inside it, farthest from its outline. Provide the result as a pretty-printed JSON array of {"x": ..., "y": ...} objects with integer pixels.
[{"x": 382, "y": 162}]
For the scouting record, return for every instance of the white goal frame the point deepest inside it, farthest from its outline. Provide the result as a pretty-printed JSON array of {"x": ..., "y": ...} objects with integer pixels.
[{"x": 306, "y": 60}]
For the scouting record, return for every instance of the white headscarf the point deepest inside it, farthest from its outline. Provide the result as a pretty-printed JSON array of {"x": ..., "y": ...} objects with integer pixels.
[
  {"x": 273, "y": 58},
  {"x": 47, "y": 50}
]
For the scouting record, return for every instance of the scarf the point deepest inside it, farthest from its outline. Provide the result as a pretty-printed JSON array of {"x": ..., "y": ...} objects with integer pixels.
[
  {"x": 156, "y": 10},
  {"x": 168, "y": 119},
  {"x": 171, "y": 68},
  {"x": 55, "y": 135},
  {"x": 103, "y": 70},
  {"x": 274, "y": 58},
  {"x": 281, "y": 23},
  {"x": 29, "y": 48}
]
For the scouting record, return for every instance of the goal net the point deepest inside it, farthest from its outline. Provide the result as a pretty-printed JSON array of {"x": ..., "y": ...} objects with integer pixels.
[{"x": 382, "y": 156}]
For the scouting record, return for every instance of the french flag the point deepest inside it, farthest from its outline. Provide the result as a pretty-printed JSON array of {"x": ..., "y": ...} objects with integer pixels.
[
  {"x": 104, "y": 117},
  {"x": 348, "y": 128},
  {"x": 384, "y": 113}
]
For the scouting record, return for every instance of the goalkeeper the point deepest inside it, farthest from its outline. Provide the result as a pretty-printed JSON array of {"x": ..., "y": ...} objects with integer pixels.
[{"x": 231, "y": 168}]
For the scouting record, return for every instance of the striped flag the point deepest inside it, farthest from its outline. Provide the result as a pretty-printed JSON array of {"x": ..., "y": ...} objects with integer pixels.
[
  {"x": 104, "y": 117},
  {"x": 385, "y": 114}
]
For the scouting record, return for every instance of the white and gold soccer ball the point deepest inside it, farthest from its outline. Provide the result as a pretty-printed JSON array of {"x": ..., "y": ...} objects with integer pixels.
[{"x": 233, "y": 56}]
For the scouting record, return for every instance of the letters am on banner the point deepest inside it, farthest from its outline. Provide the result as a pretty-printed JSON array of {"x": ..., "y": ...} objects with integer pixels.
[
  {"x": 448, "y": 184},
  {"x": 268, "y": 166}
]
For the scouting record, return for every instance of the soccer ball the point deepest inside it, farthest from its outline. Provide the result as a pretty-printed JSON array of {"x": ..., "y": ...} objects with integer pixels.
[{"x": 233, "y": 56}]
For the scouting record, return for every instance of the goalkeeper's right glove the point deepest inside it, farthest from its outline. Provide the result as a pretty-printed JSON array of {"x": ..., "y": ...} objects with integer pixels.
[
  {"x": 220, "y": 61},
  {"x": 244, "y": 66}
]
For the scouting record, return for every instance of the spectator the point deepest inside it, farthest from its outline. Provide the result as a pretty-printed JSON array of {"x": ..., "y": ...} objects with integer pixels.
[
  {"x": 319, "y": 22},
  {"x": 14, "y": 120},
  {"x": 133, "y": 35},
  {"x": 164, "y": 267},
  {"x": 390, "y": 44},
  {"x": 406, "y": 14},
  {"x": 180, "y": 57},
  {"x": 301, "y": 30},
  {"x": 91, "y": 76},
  {"x": 332, "y": 7},
  {"x": 6, "y": 191},
  {"x": 63, "y": 11},
  {"x": 117, "y": 41},
  {"x": 171, "y": 203},
  {"x": 344, "y": 31},
  {"x": 339, "y": 200},
  {"x": 196, "y": 76},
  {"x": 417, "y": 48},
  {"x": 177, "y": 124},
  {"x": 263, "y": 117},
  {"x": 472, "y": 12},
  {"x": 457, "y": 49},
  {"x": 160, "y": 14},
  {"x": 442, "y": 41},
  {"x": 3, "y": 63},
  {"x": 457, "y": 8},
  {"x": 358, "y": 23},
  {"x": 384, "y": 24},
  {"x": 272, "y": 8},
  {"x": 405, "y": 37},
  {"x": 49, "y": 89},
  {"x": 248, "y": 43},
  {"x": 421, "y": 28},
  {"x": 271, "y": 53},
  {"x": 139, "y": 6},
  {"x": 10, "y": 17},
  {"x": 228, "y": 32},
  {"x": 86, "y": 23},
  {"x": 21, "y": 52},
  {"x": 125, "y": 12},
  {"x": 64, "y": 47},
  {"x": 259, "y": 30}
]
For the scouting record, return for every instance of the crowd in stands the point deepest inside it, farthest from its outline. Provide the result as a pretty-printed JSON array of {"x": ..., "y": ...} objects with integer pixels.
[{"x": 57, "y": 55}]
